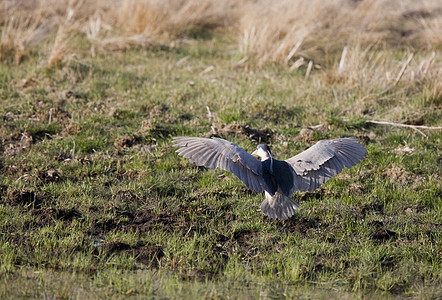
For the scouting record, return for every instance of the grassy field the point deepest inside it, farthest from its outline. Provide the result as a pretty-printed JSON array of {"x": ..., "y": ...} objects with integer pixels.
[{"x": 95, "y": 203}]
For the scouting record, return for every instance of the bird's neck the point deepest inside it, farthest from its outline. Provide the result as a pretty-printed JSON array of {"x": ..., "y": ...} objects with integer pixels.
[{"x": 270, "y": 159}]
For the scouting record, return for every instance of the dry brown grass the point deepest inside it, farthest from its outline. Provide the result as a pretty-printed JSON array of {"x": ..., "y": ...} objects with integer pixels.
[
  {"x": 275, "y": 32},
  {"x": 19, "y": 35},
  {"x": 29, "y": 25},
  {"x": 171, "y": 18},
  {"x": 60, "y": 46},
  {"x": 364, "y": 67},
  {"x": 281, "y": 32}
]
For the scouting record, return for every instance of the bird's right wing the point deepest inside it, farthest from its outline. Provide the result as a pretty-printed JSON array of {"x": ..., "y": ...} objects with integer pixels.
[
  {"x": 323, "y": 160},
  {"x": 218, "y": 153}
]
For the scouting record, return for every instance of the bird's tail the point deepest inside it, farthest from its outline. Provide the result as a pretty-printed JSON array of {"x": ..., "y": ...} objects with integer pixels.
[{"x": 278, "y": 206}]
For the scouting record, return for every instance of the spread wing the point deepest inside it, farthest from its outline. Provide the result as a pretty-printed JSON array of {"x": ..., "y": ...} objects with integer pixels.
[
  {"x": 219, "y": 153},
  {"x": 323, "y": 160}
]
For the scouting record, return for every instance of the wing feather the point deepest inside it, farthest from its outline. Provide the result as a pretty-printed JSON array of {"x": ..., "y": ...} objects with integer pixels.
[
  {"x": 206, "y": 159},
  {"x": 323, "y": 160},
  {"x": 219, "y": 153}
]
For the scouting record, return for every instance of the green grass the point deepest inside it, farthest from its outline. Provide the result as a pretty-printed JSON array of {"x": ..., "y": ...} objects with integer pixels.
[{"x": 94, "y": 200}]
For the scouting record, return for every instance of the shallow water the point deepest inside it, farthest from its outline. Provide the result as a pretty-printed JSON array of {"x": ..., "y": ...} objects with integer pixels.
[{"x": 28, "y": 283}]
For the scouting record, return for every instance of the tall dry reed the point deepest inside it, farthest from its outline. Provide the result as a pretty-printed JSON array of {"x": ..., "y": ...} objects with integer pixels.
[{"x": 271, "y": 31}]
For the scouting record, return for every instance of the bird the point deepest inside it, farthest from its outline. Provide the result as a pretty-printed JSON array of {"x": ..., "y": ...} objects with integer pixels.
[{"x": 279, "y": 179}]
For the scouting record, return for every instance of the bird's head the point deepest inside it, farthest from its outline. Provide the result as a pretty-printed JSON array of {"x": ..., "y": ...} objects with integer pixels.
[{"x": 262, "y": 152}]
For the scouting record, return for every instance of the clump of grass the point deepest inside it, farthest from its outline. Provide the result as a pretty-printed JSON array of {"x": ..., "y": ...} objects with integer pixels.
[
  {"x": 19, "y": 35},
  {"x": 170, "y": 19},
  {"x": 375, "y": 68},
  {"x": 277, "y": 32},
  {"x": 59, "y": 48}
]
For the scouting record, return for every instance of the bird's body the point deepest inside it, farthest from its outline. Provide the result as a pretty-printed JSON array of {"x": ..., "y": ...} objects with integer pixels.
[{"x": 278, "y": 179}]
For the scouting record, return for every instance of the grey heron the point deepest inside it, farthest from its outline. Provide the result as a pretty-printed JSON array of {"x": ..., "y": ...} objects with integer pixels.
[{"x": 305, "y": 171}]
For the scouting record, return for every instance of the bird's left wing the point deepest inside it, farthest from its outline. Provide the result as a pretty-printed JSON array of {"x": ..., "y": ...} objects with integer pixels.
[
  {"x": 218, "y": 153},
  {"x": 323, "y": 160}
]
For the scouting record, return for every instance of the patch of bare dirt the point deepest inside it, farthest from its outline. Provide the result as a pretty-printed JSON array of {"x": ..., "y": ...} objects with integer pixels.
[
  {"x": 319, "y": 193},
  {"x": 257, "y": 135},
  {"x": 187, "y": 220},
  {"x": 154, "y": 130},
  {"x": 397, "y": 289},
  {"x": 179, "y": 220},
  {"x": 399, "y": 175},
  {"x": 18, "y": 142},
  {"x": 383, "y": 234},
  {"x": 145, "y": 254},
  {"x": 371, "y": 207},
  {"x": 71, "y": 129},
  {"x": 9, "y": 116},
  {"x": 300, "y": 225},
  {"x": 158, "y": 110},
  {"x": 125, "y": 196},
  {"x": 145, "y": 148},
  {"x": 48, "y": 176},
  {"x": 162, "y": 113},
  {"x": 47, "y": 215},
  {"x": 388, "y": 262},
  {"x": 14, "y": 170},
  {"x": 63, "y": 96},
  {"x": 306, "y": 135},
  {"x": 56, "y": 114},
  {"x": 45, "y": 113},
  {"x": 15, "y": 197},
  {"x": 275, "y": 113},
  {"x": 376, "y": 224},
  {"x": 25, "y": 82},
  {"x": 125, "y": 141},
  {"x": 168, "y": 220},
  {"x": 415, "y": 119},
  {"x": 102, "y": 226},
  {"x": 320, "y": 263},
  {"x": 342, "y": 176},
  {"x": 219, "y": 246},
  {"x": 356, "y": 189},
  {"x": 243, "y": 235},
  {"x": 412, "y": 209},
  {"x": 365, "y": 139}
]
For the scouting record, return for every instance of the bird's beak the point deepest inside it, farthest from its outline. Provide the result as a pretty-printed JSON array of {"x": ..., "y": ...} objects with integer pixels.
[{"x": 255, "y": 154}]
